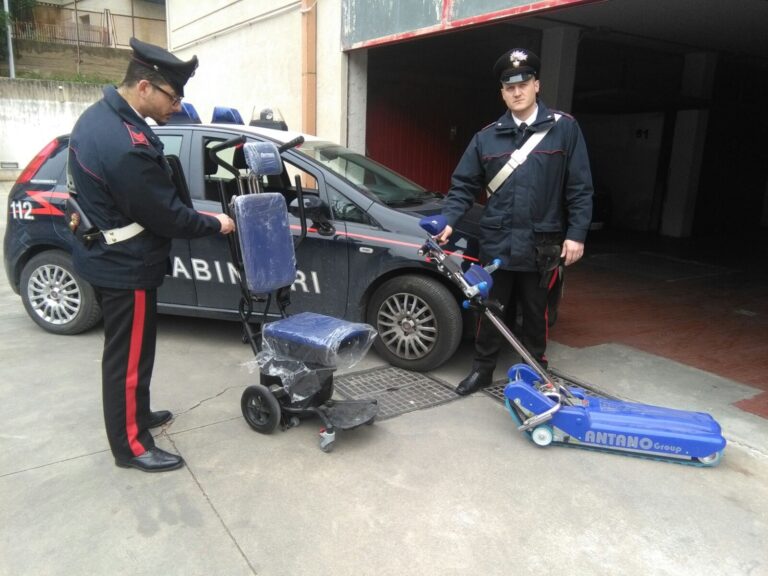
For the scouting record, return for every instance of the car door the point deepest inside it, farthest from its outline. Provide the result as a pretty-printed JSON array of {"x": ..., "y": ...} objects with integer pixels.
[
  {"x": 322, "y": 278},
  {"x": 178, "y": 288}
]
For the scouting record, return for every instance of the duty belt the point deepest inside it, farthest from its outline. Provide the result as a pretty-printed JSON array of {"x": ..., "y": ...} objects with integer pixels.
[{"x": 116, "y": 235}]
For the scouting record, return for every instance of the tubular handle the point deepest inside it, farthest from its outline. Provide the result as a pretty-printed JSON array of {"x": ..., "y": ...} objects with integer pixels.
[
  {"x": 291, "y": 144},
  {"x": 226, "y": 144},
  {"x": 231, "y": 143}
]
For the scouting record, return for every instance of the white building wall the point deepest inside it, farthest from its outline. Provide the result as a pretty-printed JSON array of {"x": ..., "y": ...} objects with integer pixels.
[
  {"x": 331, "y": 73},
  {"x": 250, "y": 58}
]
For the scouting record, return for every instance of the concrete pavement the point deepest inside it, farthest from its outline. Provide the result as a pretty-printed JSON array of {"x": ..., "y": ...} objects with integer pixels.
[{"x": 450, "y": 490}]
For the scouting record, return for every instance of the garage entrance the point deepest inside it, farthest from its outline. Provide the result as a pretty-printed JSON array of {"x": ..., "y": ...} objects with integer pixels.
[{"x": 667, "y": 94}]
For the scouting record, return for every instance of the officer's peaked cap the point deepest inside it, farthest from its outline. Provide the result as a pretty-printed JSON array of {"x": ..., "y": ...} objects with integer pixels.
[
  {"x": 175, "y": 71},
  {"x": 516, "y": 65}
]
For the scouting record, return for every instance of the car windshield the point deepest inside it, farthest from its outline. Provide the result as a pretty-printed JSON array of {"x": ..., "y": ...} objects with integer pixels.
[{"x": 367, "y": 174}]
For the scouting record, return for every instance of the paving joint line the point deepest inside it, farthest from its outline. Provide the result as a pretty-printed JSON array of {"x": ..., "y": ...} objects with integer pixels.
[
  {"x": 52, "y": 463},
  {"x": 211, "y": 505}
]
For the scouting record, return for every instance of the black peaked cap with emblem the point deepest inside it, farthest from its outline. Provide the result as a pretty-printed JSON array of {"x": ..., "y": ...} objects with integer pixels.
[
  {"x": 175, "y": 71},
  {"x": 516, "y": 65}
]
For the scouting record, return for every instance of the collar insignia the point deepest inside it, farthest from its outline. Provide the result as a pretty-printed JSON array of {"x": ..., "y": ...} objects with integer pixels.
[{"x": 138, "y": 138}]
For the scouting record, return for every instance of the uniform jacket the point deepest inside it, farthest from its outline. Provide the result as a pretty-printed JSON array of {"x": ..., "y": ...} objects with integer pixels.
[
  {"x": 117, "y": 167},
  {"x": 547, "y": 198}
]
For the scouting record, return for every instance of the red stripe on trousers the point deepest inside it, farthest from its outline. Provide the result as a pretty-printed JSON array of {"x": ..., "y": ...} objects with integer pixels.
[
  {"x": 546, "y": 308},
  {"x": 132, "y": 377}
]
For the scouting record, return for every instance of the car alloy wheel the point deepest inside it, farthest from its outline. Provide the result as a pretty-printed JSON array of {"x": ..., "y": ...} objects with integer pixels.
[
  {"x": 55, "y": 297},
  {"x": 418, "y": 322}
]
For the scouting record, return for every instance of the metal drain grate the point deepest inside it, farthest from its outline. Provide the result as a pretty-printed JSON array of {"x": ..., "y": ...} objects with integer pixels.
[
  {"x": 496, "y": 390},
  {"x": 398, "y": 391}
]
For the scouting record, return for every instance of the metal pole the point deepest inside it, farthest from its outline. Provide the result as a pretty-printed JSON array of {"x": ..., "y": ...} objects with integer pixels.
[
  {"x": 11, "y": 65},
  {"x": 77, "y": 37}
]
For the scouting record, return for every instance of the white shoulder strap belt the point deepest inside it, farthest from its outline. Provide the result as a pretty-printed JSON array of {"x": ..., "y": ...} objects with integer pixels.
[
  {"x": 518, "y": 157},
  {"x": 121, "y": 234}
]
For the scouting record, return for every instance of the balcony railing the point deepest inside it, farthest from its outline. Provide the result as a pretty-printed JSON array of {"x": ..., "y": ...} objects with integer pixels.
[{"x": 84, "y": 34}]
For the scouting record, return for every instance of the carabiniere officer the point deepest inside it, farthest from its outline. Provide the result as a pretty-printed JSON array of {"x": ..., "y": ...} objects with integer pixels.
[
  {"x": 124, "y": 187},
  {"x": 536, "y": 213}
]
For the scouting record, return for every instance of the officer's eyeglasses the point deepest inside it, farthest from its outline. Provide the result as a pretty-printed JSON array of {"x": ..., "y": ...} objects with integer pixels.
[{"x": 175, "y": 100}]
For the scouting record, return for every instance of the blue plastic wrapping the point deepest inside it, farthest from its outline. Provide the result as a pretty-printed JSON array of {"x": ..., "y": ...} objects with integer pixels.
[
  {"x": 318, "y": 340},
  {"x": 263, "y": 158},
  {"x": 266, "y": 243},
  {"x": 296, "y": 348}
]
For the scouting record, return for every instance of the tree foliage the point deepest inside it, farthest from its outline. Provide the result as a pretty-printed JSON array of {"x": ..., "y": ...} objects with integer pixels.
[{"x": 21, "y": 11}]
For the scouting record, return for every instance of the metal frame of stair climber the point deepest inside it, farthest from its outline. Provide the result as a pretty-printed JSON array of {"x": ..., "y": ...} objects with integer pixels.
[
  {"x": 296, "y": 355},
  {"x": 569, "y": 415}
]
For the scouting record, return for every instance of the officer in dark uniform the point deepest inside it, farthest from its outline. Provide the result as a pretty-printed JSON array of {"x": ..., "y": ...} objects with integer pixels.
[
  {"x": 538, "y": 215},
  {"x": 123, "y": 185}
]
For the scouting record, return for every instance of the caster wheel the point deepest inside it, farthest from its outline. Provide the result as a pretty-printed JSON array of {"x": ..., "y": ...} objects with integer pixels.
[
  {"x": 542, "y": 435},
  {"x": 327, "y": 440},
  {"x": 711, "y": 460},
  {"x": 260, "y": 409}
]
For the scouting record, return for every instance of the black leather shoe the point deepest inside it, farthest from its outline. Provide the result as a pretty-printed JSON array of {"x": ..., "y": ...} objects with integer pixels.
[
  {"x": 153, "y": 460},
  {"x": 477, "y": 379},
  {"x": 158, "y": 418}
]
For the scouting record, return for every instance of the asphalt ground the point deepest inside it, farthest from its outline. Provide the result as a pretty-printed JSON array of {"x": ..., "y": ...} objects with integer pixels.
[{"x": 451, "y": 489}]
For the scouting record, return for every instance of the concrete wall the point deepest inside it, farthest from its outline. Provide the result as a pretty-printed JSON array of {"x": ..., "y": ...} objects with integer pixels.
[
  {"x": 48, "y": 60},
  {"x": 33, "y": 112},
  {"x": 250, "y": 58}
]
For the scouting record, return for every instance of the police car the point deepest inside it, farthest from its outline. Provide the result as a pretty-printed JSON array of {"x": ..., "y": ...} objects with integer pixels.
[{"x": 359, "y": 260}]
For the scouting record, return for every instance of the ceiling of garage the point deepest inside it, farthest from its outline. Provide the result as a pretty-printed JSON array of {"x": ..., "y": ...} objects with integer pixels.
[{"x": 734, "y": 26}]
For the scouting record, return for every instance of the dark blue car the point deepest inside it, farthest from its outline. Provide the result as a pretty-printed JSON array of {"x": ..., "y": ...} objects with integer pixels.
[{"x": 358, "y": 262}]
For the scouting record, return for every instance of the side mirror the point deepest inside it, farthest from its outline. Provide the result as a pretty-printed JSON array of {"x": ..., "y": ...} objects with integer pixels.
[
  {"x": 312, "y": 207},
  {"x": 313, "y": 210}
]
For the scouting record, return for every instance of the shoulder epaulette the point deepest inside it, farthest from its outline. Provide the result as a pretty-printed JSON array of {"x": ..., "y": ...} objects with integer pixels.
[{"x": 565, "y": 114}]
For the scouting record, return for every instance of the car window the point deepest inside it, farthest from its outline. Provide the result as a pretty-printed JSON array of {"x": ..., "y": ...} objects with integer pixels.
[
  {"x": 308, "y": 182},
  {"x": 366, "y": 174},
  {"x": 217, "y": 177},
  {"x": 171, "y": 143},
  {"x": 52, "y": 170},
  {"x": 232, "y": 156},
  {"x": 342, "y": 208}
]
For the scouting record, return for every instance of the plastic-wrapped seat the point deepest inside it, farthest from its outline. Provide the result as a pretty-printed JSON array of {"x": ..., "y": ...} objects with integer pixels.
[{"x": 298, "y": 353}]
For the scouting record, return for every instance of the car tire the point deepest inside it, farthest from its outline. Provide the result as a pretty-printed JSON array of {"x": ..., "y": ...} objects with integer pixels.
[
  {"x": 55, "y": 297},
  {"x": 418, "y": 322}
]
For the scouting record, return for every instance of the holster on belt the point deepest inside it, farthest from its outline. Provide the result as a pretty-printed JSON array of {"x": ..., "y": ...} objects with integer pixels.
[
  {"x": 79, "y": 223},
  {"x": 548, "y": 250}
]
